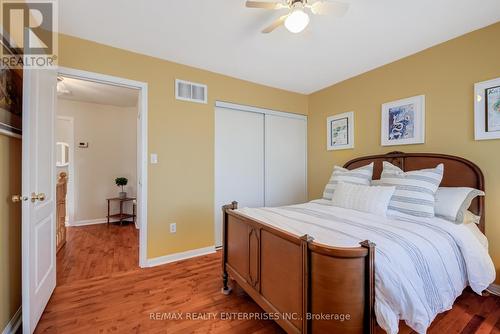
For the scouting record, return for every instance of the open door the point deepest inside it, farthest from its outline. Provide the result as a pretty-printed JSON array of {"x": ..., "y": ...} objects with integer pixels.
[{"x": 38, "y": 186}]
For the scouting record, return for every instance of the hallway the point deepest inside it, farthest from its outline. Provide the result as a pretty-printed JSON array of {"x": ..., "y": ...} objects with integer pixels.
[{"x": 97, "y": 250}]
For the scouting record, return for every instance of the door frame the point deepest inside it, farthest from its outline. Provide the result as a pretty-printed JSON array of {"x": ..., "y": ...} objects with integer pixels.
[
  {"x": 71, "y": 169},
  {"x": 142, "y": 146}
]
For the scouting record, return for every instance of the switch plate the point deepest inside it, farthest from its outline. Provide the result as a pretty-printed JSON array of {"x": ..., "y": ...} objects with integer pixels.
[
  {"x": 173, "y": 228},
  {"x": 154, "y": 158}
]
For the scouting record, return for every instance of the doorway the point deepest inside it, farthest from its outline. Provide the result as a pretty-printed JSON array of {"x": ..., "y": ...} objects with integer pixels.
[
  {"x": 127, "y": 103},
  {"x": 38, "y": 195}
]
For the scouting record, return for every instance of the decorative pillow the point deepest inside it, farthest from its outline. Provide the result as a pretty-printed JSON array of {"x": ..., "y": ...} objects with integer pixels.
[
  {"x": 415, "y": 190},
  {"x": 372, "y": 199},
  {"x": 470, "y": 218},
  {"x": 361, "y": 175},
  {"x": 470, "y": 222},
  {"x": 452, "y": 202}
]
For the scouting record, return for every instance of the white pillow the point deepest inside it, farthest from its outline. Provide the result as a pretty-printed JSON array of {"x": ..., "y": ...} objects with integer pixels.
[
  {"x": 370, "y": 199},
  {"x": 415, "y": 190},
  {"x": 470, "y": 222},
  {"x": 453, "y": 202},
  {"x": 361, "y": 175},
  {"x": 470, "y": 218}
]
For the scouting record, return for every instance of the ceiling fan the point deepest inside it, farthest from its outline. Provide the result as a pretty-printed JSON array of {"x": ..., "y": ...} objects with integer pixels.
[{"x": 298, "y": 18}]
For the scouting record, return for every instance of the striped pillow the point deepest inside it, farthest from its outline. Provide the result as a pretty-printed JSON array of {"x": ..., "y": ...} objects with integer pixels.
[
  {"x": 361, "y": 175},
  {"x": 415, "y": 190}
]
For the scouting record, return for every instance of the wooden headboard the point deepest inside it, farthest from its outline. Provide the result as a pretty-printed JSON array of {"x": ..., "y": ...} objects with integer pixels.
[{"x": 458, "y": 172}]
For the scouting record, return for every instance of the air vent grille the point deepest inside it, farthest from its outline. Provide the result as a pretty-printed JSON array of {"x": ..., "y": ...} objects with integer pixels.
[{"x": 190, "y": 91}]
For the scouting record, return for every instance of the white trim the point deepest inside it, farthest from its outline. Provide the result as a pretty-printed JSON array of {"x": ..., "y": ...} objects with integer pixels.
[
  {"x": 350, "y": 131},
  {"x": 14, "y": 323},
  {"x": 142, "y": 147},
  {"x": 480, "y": 132},
  {"x": 89, "y": 222},
  {"x": 63, "y": 154},
  {"x": 494, "y": 289},
  {"x": 157, "y": 261},
  {"x": 71, "y": 169},
  {"x": 242, "y": 107}
]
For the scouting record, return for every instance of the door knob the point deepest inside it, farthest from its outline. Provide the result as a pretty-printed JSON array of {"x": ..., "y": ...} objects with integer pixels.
[
  {"x": 37, "y": 197},
  {"x": 18, "y": 198}
]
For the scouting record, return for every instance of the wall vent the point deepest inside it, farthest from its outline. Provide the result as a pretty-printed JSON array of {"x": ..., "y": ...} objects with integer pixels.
[{"x": 190, "y": 91}]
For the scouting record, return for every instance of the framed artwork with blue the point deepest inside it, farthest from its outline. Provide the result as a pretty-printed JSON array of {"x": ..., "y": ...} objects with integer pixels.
[
  {"x": 403, "y": 122},
  {"x": 340, "y": 131},
  {"x": 487, "y": 110}
]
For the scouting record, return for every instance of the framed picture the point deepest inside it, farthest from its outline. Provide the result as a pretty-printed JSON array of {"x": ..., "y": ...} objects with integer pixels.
[
  {"x": 403, "y": 122},
  {"x": 11, "y": 90},
  {"x": 487, "y": 110},
  {"x": 340, "y": 131}
]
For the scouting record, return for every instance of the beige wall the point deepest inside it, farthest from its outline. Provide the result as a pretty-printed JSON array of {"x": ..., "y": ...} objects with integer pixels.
[
  {"x": 112, "y": 136},
  {"x": 10, "y": 228},
  {"x": 446, "y": 75},
  {"x": 181, "y": 185}
]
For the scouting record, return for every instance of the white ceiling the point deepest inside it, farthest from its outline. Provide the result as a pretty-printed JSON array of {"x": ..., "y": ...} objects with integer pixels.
[
  {"x": 223, "y": 36},
  {"x": 94, "y": 92}
]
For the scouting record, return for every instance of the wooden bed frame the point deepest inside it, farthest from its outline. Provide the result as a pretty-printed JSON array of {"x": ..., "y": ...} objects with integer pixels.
[{"x": 309, "y": 287}]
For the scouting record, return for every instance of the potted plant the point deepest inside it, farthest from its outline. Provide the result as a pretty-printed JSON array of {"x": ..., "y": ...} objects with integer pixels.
[{"x": 121, "y": 182}]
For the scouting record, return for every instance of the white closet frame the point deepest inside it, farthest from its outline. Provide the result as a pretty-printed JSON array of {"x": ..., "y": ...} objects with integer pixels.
[{"x": 240, "y": 107}]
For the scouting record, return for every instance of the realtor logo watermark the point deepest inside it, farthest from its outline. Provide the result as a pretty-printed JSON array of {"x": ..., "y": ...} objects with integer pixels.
[{"x": 29, "y": 33}]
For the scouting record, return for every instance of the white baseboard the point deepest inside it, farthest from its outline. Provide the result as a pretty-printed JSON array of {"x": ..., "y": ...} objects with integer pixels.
[
  {"x": 157, "y": 261},
  {"x": 14, "y": 323},
  {"x": 89, "y": 222},
  {"x": 96, "y": 221},
  {"x": 494, "y": 289}
]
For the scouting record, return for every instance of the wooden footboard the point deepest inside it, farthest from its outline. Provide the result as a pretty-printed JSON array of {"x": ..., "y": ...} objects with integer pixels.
[{"x": 304, "y": 286}]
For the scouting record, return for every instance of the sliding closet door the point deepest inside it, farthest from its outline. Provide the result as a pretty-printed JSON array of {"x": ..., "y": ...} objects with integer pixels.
[
  {"x": 239, "y": 161},
  {"x": 285, "y": 160}
]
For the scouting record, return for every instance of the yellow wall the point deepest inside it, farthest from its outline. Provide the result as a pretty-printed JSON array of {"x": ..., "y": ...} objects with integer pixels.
[
  {"x": 446, "y": 75},
  {"x": 181, "y": 185},
  {"x": 10, "y": 229}
]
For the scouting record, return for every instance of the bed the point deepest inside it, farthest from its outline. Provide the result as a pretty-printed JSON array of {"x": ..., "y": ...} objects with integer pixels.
[{"x": 316, "y": 268}]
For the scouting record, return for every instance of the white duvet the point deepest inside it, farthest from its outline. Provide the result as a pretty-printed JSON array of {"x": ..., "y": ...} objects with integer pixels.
[{"x": 421, "y": 265}]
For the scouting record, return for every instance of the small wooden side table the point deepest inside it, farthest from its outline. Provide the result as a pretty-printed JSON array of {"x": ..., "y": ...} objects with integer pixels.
[{"x": 121, "y": 216}]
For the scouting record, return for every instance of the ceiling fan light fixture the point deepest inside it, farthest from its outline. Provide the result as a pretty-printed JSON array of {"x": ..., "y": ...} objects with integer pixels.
[{"x": 297, "y": 21}]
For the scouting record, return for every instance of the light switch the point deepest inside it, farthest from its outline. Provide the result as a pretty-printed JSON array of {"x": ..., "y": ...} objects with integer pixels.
[{"x": 154, "y": 158}]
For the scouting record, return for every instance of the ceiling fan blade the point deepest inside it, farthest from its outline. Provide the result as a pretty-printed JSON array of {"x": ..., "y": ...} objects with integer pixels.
[
  {"x": 275, "y": 24},
  {"x": 264, "y": 5},
  {"x": 329, "y": 7}
]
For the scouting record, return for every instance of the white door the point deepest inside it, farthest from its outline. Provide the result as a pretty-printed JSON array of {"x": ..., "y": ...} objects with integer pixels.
[
  {"x": 239, "y": 162},
  {"x": 38, "y": 184},
  {"x": 286, "y": 160}
]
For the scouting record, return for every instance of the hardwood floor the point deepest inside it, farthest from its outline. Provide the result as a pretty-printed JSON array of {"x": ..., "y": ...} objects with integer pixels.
[
  {"x": 120, "y": 299},
  {"x": 97, "y": 250}
]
